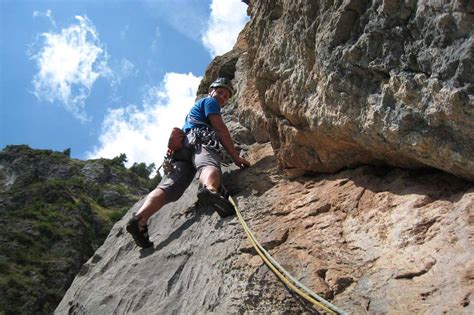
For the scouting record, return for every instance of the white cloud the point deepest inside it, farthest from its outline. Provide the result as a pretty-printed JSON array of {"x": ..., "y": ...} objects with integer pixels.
[
  {"x": 127, "y": 68},
  {"x": 124, "y": 32},
  {"x": 69, "y": 63},
  {"x": 154, "y": 43},
  {"x": 228, "y": 17},
  {"x": 121, "y": 70},
  {"x": 188, "y": 17},
  {"x": 142, "y": 133},
  {"x": 48, "y": 14}
]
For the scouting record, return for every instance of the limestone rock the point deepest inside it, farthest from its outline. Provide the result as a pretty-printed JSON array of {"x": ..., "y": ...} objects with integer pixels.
[
  {"x": 114, "y": 198},
  {"x": 96, "y": 172},
  {"x": 355, "y": 82},
  {"x": 370, "y": 239}
]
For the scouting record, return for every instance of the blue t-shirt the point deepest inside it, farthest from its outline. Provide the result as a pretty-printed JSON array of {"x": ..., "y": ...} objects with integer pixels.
[{"x": 201, "y": 111}]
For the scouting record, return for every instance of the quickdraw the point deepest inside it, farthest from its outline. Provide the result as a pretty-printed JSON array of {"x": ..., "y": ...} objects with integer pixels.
[
  {"x": 206, "y": 137},
  {"x": 168, "y": 167}
]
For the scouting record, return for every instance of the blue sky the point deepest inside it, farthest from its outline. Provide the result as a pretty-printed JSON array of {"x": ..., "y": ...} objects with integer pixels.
[{"x": 106, "y": 77}]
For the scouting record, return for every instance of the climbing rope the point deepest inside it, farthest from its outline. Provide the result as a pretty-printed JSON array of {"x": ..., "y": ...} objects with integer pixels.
[
  {"x": 284, "y": 275},
  {"x": 281, "y": 272}
]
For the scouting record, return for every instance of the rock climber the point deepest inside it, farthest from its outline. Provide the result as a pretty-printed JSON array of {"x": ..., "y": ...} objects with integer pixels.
[{"x": 204, "y": 133}]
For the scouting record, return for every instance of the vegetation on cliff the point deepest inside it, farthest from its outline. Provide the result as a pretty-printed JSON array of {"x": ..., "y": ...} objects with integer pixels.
[{"x": 54, "y": 213}]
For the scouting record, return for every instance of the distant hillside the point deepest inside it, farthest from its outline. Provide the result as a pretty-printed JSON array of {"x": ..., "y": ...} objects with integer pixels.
[{"x": 54, "y": 213}]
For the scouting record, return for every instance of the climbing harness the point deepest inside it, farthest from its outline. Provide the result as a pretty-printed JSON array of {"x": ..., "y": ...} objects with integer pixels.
[
  {"x": 284, "y": 275},
  {"x": 204, "y": 136}
]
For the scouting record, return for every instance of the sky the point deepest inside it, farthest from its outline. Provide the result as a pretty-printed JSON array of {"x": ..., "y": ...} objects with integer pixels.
[{"x": 105, "y": 77}]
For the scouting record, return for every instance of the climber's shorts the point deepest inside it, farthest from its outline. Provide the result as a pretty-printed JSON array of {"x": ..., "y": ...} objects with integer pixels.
[
  {"x": 176, "y": 183},
  {"x": 206, "y": 157}
]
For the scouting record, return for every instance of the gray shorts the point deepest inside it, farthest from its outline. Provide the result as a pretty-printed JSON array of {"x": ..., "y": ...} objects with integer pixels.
[{"x": 186, "y": 165}]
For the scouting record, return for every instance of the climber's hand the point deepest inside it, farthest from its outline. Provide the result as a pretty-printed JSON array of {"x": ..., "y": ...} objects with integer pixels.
[{"x": 241, "y": 162}]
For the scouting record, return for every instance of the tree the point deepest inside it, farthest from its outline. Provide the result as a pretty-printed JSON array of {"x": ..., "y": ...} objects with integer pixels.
[
  {"x": 142, "y": 170},
  {"x": 120, "y": 160},
  {"x": 67, "y": 152},
  {"x": 154, "y": 181}
]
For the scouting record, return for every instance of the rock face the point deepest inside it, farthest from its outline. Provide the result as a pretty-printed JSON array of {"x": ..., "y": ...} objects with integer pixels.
[
  {"x": 358, "y": 119},
  {"x": 344, "y": 83},
  {"x": 371, "y": 239}
]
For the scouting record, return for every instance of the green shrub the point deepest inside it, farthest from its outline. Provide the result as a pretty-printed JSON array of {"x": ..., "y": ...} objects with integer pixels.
[{"x": 115, "y": 216}]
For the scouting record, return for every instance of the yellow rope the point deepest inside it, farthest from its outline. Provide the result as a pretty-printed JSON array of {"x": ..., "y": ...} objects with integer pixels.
[
  {"x": 268, "y": 259},
  {"x": 331, "y": 309}
]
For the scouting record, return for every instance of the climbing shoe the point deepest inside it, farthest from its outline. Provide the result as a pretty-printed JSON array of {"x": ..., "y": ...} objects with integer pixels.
[
  {"x": 222, "y": 205},
  {"x": 140, "y": 237}
]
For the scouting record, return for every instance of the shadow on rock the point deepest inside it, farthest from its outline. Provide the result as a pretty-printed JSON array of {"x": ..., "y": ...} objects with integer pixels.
[
  {"x": 145, "y": 252},
  {"x": 255, "y": 179},
  {"x": 432, "y": 183},
  {"x": 190, "y": 220}
]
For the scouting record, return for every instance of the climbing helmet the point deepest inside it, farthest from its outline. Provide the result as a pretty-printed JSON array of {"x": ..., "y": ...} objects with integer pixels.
[{"x": 224, "y": 83}]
